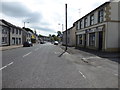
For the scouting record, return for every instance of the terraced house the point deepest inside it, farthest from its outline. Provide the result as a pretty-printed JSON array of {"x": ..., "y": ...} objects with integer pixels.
[
  {"x": 99, "y": 29},
  {"x": 11, "y": 34},
  {"x": 4, "y": 34}
]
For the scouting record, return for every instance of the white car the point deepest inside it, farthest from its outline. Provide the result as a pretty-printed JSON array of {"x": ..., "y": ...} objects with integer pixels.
[{"x": 56, "y": 43}]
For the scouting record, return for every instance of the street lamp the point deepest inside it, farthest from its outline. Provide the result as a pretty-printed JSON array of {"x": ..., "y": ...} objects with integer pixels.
[
  {"x": 62, "y": 26},
  {"x": 24, "y": 23}
]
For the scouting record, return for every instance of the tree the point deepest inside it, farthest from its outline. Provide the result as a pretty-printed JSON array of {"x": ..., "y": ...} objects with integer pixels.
[
  {"x": 28, "y": 29},
  {"x": 53, "y": 35},
  {"x": 59, "y": 33},
  {"x": 40, "y": 35}
]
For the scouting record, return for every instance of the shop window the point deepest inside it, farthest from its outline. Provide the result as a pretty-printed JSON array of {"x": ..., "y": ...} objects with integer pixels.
[
  {"x": 16, "y": 40},
  {"x": 92, "y": 39}
]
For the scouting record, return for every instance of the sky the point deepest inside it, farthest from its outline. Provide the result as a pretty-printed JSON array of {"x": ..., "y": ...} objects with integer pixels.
[{"x": 45, "y": 16}]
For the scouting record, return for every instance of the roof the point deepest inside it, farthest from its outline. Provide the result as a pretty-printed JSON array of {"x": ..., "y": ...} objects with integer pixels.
[
  {"x": 2, "y": 24},
  {"x": 7, "y": 23}
]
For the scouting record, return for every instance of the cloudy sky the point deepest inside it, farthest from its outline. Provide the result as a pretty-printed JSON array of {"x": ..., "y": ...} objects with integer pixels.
[{"x": 45, "y": 16}]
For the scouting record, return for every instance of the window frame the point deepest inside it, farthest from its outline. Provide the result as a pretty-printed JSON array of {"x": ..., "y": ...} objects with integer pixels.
[
  {"x": 101, "y": 15},
  {"x": 86, "y": 22},
  {"x": 92, "y": 19}
]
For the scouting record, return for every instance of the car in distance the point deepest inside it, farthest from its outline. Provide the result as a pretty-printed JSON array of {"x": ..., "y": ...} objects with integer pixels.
[
  {"x": 56, "y": 43},
  {"x": 42, "y": 42},
  {"x": 27, "y": 44}
]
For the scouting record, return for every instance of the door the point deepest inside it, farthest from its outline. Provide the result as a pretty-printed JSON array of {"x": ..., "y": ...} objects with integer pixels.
[
  {"x": 100, "y": 40},
  {"x": 84, "y": 40}
]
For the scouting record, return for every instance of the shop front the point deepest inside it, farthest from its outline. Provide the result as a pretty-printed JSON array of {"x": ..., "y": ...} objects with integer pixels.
[{"x": 92, "y": 38}]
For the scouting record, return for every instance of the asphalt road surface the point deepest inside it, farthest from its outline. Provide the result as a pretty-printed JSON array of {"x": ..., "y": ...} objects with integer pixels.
[{"x": 41, "y": 66}]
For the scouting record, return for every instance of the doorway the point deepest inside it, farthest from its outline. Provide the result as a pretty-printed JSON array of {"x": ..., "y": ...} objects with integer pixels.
[
  {"x": 100, "y": 40},
  {"x": 84, "y": 40}
]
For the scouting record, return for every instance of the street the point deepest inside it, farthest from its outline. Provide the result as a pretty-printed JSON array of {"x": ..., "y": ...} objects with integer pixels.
[{"x": 41, "y": 66}]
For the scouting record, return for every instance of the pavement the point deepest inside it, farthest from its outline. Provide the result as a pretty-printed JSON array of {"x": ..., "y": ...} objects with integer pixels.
[
  {"x": 3, "y": 48},
  {"x": 10, "y": 47},
  {"x": 100, "y": 68},
  {"x": 84, "y": 53}
]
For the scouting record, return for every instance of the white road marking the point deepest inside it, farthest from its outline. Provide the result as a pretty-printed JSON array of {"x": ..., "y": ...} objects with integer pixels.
[
  {"x": 27, "y": 54},
  {"x": 6, "y": 65},
  {"x": 82, "y": 74},
  {"x": 10, "y": 63}
]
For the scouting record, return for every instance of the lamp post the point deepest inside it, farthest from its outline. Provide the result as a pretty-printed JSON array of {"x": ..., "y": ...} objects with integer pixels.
[
  {"x": 62, "y": 26},
  {"x": 24, "y": 23}
]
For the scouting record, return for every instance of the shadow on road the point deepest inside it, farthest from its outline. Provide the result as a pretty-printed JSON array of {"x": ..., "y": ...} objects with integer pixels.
[{"x": 61, "y": 54}]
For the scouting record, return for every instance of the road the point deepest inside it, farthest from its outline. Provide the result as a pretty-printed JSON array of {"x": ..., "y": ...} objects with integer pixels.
[{"x": 41, "y": 66}]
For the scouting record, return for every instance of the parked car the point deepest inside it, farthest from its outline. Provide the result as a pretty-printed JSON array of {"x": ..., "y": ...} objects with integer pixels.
[
  {"x": 27, "y": 44},
  {"x": 55, "y": 42},
  {"x": 42, "y": 42}
]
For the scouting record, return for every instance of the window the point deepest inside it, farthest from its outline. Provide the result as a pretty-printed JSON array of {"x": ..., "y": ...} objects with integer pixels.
[
  {"x": 5, "y": 31},
  {"x": 92, "y": 19},
  {"x": 13, "y": 31},
  {"x": 20, "y": 32},
  {"x": 2, "y": 31},
  {"x": 100, "y": 16},
  {"x": 80, "y": 39},
  {"x": 13, "y": 40},
  {"x": 92, "y": 39},
  {"x": 16, "y": 40},
  {"x": 85, "y": 25},
  {"x": 3, "y": 40},
  {"x": 81, "y": 24},
  {"x": 16, "y": 31},
  {"x": 78, "y": 25}
]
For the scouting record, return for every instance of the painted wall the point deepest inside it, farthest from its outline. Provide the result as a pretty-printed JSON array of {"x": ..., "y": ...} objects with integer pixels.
[
  {"x": 114, "y": 11},
  {"x": 112, "y": 37}
]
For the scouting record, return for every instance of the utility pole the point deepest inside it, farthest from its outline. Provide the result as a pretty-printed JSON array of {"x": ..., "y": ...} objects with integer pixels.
[
  {"x": 24, "y": 23},
  {"x": 66, "y": 24},
  {"x": 79, "y": 12},
  {"x": 62, "y": 28}
]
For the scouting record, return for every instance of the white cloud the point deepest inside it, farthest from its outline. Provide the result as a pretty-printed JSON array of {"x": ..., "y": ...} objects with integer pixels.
[{"x": 53, "y": 12}]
